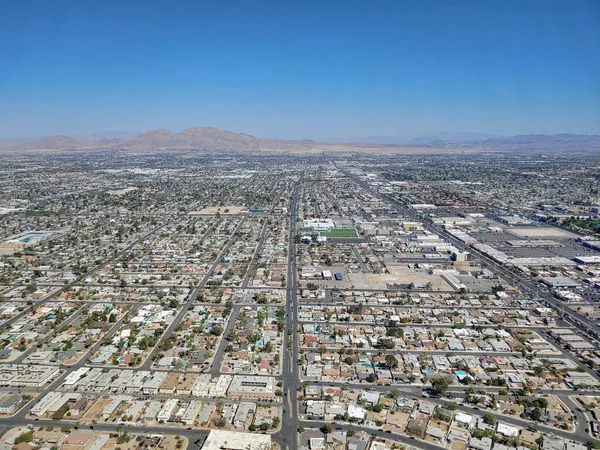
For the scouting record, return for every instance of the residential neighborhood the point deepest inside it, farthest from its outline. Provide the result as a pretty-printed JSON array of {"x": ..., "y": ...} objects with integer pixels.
[{"x": 320, "y": 304}]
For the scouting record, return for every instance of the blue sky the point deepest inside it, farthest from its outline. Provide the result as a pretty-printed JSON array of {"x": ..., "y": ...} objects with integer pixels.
[{"x": 302, "y": 68}]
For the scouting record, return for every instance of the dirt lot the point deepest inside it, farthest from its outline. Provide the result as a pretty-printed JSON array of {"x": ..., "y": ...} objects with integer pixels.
[
  {"x": 95, "y": 411},
  {"x": 223, "y": 210},
  {"x": 398, "y": 275},
  {"x": 540, "y": 232}
]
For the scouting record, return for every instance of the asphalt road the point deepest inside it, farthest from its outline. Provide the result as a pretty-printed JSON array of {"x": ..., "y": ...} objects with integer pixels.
[
  {"x": 215, "y": 368},
  {"x": 252, "y": 267},
  {"x": 287, "y": 436},
  {"x": 191, "y": 435}
]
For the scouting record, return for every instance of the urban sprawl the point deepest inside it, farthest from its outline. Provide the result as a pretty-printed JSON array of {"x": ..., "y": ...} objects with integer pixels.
[{"x": 323, "y": 302}]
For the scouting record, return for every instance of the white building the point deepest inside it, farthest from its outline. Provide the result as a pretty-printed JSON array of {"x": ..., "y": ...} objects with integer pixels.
[
  {"x": 357, "y": 412},
  {"x": 74, "y": 377},
  {"x": 42, "y": 406},
  {"x": 167, "y": 410},
  {"x": 233, "y": 440},
  {"x": 191, "y": 412},
  {"x": 318, "y": 224},
  {"x": 220, "y": 389}
]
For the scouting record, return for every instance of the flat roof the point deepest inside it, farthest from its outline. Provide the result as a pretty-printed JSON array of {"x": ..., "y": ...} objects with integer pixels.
[{"x": 234, "y": 440}]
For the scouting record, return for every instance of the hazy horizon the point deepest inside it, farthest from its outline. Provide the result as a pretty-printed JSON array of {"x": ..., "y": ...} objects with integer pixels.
[
  {"x": 443, "y": 135},
  {"x": 301, "y": 70}
]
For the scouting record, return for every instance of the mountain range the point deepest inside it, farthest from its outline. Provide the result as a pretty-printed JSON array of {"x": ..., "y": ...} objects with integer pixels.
[
  {"x": 214, "y": 139},
  {"x": 414, "y": 139}
]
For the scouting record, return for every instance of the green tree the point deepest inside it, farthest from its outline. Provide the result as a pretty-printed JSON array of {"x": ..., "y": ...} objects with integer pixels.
[
  {"x": 391, "y": 362},
  {"x": 25, "y": 437},
  {"x": 439, "y": 385},
  {"x": 536, "y": 413},
  {"x": 490, "y": 419},
  {"x": 221, "y": 422},
  {"x": 387, "y": 344}
]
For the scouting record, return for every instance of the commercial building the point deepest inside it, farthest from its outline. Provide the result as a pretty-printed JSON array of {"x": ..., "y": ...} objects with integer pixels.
[
  {"x": 318, "y": 224},
  {"x": 42, "y": 406},
  {"x": 513, "y": 220},
  {"x": 245, "y": 386},
  {"x": 560, "y": 282},
  {"x": 587, "y": 259},
  {"x": 167, "y": 410},
  {"x": 220, "y": 389},
  {"x": 242, "y": 413},
  {"x": 112, "y": 406},
  {"x": 9, "y": 404},
  {"x": 63, "y": 400},
  {"x": 191, "y": 412},
  {"x": 233, "y": 440},
  {"x": 74, "y": 377}
]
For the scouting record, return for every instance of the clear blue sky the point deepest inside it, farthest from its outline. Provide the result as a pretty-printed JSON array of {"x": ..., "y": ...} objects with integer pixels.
[{"x": 301, "y": 68}]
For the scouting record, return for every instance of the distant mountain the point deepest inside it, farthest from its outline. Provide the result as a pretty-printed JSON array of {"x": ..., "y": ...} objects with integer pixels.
[
  {"x": 376, "y": 140},
  {"x": 540, "y": 142},
  {"x": 10, "y": 142},
  {"x": 61, "y": 143},
  {"x": 424, "y": 140},
  {"x": 50, "y": 143},
  {"x": 466, "y": 136},
  {"x": 526, "y": 142},
  {"x": 121, "y": 135},
  {"x": 213, "y": 139},
  {"x": 416, "y": 139}
]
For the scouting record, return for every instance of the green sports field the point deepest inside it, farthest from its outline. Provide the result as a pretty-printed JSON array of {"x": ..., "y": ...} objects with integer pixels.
[{"x": 340, "y": 233}]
